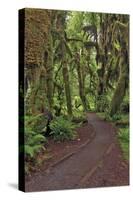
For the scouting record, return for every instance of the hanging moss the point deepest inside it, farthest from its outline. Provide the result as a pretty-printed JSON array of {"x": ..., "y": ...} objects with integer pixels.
[
  {"x": 37, "y": 43},
  {"x": 81, "y": 82},
  {"x": 49, "y": 70},
  {"x": 121, "y": 86},
  {"x": 65, "y": 72}
]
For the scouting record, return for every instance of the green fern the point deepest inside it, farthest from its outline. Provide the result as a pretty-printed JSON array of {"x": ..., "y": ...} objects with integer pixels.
[
  {"x": 62, "y": 129},
  {"x": 29, "y": 150},
  {"x": 33, "y": 139}
]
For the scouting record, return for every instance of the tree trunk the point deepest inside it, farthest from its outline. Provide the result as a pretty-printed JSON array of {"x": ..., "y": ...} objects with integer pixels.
[
  {"x": 121, "y": 86},
  {"x": 81, "y": 84},
  {"x": 37, "y": 43},
  {"x": 61, "y": 26},
  {"x": 66, "y": 79},
  {"x": 49, "y": 70}
]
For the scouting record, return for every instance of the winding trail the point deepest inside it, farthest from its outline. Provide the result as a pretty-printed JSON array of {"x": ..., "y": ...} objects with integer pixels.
[{"x": 73, "y": 171}]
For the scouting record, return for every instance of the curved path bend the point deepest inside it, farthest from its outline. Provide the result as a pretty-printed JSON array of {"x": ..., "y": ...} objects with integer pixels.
[{"x": 71, "y": 172}]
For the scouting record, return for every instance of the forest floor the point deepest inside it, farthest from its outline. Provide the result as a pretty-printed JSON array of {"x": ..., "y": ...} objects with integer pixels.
[
  {"x": 56, "y": 151},
  {"x": 97, "y": 162}
]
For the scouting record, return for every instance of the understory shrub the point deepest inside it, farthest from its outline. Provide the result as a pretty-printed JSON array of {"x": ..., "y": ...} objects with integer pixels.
[
  {"x": 34, "y": 140},
  {"x": 102, "y": 104},
  {"x": 115, "y": 117},
  {"x": 37, "y": 122},
  {"x": 124, "y": 134},
  {"x": 62, "y": 129},
  {"x": 123, "y": 137},
  {"x": 33, "y": 143}
]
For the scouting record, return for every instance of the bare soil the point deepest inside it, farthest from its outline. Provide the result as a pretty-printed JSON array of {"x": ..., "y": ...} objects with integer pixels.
[
  {"x": 56, "y": 151},
  {"x": 113, "y": 170}
]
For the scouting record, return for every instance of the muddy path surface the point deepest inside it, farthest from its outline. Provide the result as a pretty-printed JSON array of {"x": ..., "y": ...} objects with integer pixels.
[{"x": 74, "y": 171}]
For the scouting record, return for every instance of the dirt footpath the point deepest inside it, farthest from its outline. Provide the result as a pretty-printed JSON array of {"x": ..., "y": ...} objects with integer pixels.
[{"x": 88, "y": 166}]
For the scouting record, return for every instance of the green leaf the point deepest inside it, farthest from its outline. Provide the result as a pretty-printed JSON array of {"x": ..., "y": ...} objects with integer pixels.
[{"x": 29, "y": 150}]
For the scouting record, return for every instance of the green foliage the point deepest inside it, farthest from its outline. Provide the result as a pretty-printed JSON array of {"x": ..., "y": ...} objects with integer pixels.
[
  {"x": 62, "y": 129},
  {"x": 79, "y": 113},
  {"x": 74, "y": 23},
  {"x": 115, "y": 117},
  {"x": 31, "y": 150},
  {"x": 36, "y": 123},
  {"x": 83, "y": 69},
  {"x": 116, "y": 45},
  {"x": 102, "y": 103},
  {"x": 92, "y": 18},
  {"x": 123, "y": 137},
  {"x": 118, "y": 119},
  {"x": 33, "y": 140},
  {"x": 124, "y": 134},
  {"x": 125, "y": 104},
  {"x": 34, "y": 144}
]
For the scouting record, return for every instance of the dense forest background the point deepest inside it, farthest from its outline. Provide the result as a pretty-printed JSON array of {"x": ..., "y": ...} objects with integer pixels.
[
  {"x": 75, "y": 63},
  {"x": 75, "y": 60}
]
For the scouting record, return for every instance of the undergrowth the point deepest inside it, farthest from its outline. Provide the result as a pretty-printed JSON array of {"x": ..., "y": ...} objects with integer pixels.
[
  {"x": 123, "y": 138},
  {"x": 34, "y": 140},
  {"x": 62, "y": 129}
]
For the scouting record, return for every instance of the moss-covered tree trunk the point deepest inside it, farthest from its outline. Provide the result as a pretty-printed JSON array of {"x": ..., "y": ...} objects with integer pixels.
[
  {"x": 38, "y": 60},
  {"x": 121, "y": 85},
  {"x": 102, "y": 57},
  {"x": 65, "y": 73},
  {"x": 48, "y": 62},
  {"x": 81, "y": 82}
]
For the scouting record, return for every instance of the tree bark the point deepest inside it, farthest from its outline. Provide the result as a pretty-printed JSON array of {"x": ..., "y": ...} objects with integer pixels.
[
  {"x": 49, "y": 70},
  {"x": 37, "y": 39},
  {"x": 66, "y": 79},
  {"x": 81, "y": 83},
  {"x": 121, "y": 86},
  {"x": 65, "y": 72}
]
